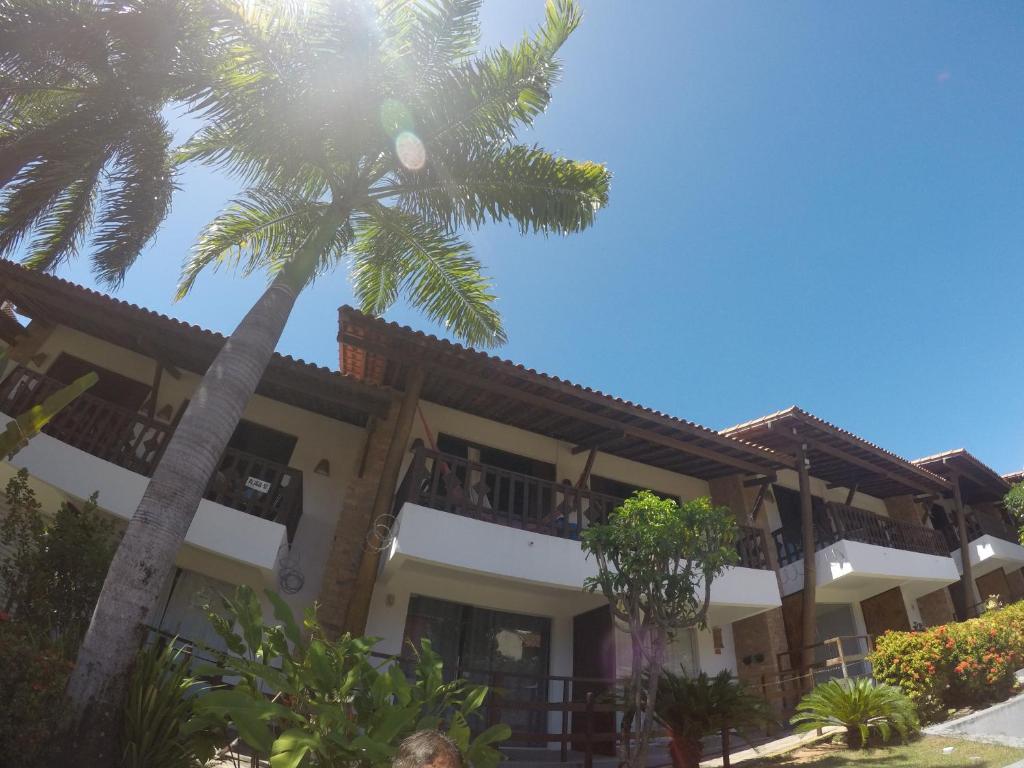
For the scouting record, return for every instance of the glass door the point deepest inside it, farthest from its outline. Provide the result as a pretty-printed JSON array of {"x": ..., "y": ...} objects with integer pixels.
[{"x": 507, "y": 650}]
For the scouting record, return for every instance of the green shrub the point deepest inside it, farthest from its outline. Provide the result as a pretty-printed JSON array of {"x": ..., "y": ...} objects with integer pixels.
[
  {"x": 33, "y": 673},
  {"x": 966, "y": 663},
  {"x": 861, "y": 706},
  {"x": 915, "y": 662},
  {"x": 55, "y": 565},
  {"x": 694, "y": 707},
  {"x": 305, "y": 699}
]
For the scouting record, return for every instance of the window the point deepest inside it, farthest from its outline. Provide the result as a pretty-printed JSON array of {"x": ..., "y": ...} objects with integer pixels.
[
  {"x": 112, "y": 387},
  {"x": 263, "y": 441},
  {"x": 682, "y": 653},
  {"x": 622, "y": 490}
]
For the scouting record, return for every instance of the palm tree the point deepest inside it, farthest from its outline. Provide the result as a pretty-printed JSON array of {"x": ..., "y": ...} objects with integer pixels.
[
  {"x": 364, "y": 134},
  {"x": 83, "y": 143}
]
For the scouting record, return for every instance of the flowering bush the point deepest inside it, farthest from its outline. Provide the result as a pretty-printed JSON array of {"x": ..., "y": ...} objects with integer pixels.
[
  {"x": 916, "y": 662},
  {"x": 954, "y": 665},
  {"x": 33, "y": 673}
]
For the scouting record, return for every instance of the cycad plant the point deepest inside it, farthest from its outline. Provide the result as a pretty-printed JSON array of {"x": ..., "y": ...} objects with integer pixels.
[
  {"x": 692, "y": 707},
  {"x": 859, "y": 705},
  {"x": 365, "y": 134}
]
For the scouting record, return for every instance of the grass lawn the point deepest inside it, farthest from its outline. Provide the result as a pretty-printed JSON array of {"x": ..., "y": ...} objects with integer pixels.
[{"x": 926, "y": 752}]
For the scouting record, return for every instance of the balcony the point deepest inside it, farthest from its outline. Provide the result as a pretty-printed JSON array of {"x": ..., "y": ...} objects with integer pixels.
[
  {"x": 448, "y": 510},
  {"x": 482, "y": 492},
  {"x": 843, "y": 522},
  {"x": 859, "y": 554},
  {"x": 94, "y": 445},
  {"x": 993, "y": 543}
]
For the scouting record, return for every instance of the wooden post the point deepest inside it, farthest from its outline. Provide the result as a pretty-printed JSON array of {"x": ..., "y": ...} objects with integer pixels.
[
  {"x": 808, "y": 626},
  {"x": 565, "y": 720},
  {"x": 842, "y": 656},
  {"x": 359, "y": 607},
  {"x": 967, "y": 577},
  {"x": 725, "y": 747},
  {"x": 588, "y": 748},
  {"x": 492, "y": 701}
]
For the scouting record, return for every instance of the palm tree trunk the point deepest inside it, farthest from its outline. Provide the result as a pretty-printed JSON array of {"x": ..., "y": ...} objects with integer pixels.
[{"x": 145, "y": 558}]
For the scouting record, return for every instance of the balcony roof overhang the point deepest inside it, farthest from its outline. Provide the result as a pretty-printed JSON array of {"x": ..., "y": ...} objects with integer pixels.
[
  {"x": 376, "y": 351},
  {"x": 52, "y": 300},
  {"x": 978, "y": 481},
  {"x": 838, "y": 457}
]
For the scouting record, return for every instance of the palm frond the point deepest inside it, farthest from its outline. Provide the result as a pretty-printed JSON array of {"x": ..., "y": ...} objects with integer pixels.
[
  {"x": 137, "y": 200},
  {"x": 487, "y": 99},
  {"x": 64, "y": 226},
  {"x": 442, "y": 33},
  {"x": 263, "y": 227},
  {"x": 28, "y": 198},
  {"x": 395, "y": 252},
  {"x": 535, "y": 189}
]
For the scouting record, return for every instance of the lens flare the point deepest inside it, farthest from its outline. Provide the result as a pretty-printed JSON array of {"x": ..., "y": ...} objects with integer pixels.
[{"x": 410, "y": 150}]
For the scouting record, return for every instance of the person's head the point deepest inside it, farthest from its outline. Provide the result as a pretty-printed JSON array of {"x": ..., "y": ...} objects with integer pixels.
[{"x": 427, "y": 749}]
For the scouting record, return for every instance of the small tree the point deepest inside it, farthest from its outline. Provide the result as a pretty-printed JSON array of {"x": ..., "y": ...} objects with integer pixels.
[
  {"x": 55, "y": 566},
  {"x": 656, "y": 560},
  {"x": 1014, "y": 503}
]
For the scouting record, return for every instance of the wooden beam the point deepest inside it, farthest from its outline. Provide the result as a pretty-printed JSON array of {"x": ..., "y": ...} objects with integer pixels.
[
  {"x": 428, "y": 361},
  {"x": 154, "y": 390},
  {"x": 768, "y": 479},
  {"x": 967, "y": 573},
  {"x": 758, "y": 502},
  {"x": 836, "y": 453},
  {"x": 604, "y": 439},
  {"x": 585, "y": 474},
  {"x": 808, "y": 620},
  {"x": 548, "y": 404},
  {"x": 852, "y": 493}
]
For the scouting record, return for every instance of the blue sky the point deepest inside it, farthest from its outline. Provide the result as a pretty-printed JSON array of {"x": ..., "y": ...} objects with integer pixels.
[{"x": 813, "y": 203}]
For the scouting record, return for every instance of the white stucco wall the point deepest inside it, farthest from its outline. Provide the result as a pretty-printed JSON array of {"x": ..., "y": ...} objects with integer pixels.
[{"x": 318, "y": 437}]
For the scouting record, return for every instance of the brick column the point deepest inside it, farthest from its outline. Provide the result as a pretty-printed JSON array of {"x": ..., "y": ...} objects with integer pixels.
[
  {"x": 758, "y": 639},
  {"x": 904, "y": 509},
  {"x": 354, "y": 522}
]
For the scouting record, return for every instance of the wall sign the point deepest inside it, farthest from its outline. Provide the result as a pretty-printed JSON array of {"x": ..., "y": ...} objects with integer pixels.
[{"x": 257, "y": 485}]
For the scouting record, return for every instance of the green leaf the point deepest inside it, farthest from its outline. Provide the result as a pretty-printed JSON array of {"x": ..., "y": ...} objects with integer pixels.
[
  {"x": 459, "y": 731},
  {"x": 250, "y": 713},
  {"x": 283, "y": 613},
  {"x": 291, "y": 748}
]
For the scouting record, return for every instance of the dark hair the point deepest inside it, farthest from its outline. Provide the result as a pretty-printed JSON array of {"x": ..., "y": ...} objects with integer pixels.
[{"x": 424, "y": 748}]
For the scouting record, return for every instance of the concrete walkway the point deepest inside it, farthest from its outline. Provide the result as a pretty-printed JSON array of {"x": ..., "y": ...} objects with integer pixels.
[{"x": 1000, "y": 724}]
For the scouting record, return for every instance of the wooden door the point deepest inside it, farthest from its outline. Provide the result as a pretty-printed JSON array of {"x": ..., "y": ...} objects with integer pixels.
[
  {"x": 994, "y": 583},
  {"x": 885, "y": 611},
  {"x": 593, "y": 656}
]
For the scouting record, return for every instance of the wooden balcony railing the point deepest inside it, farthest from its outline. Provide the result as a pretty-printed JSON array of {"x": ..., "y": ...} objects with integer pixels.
[
  {"x": 452, "y": 484},
  {"x": 750, "y": 544},
  {"x": 136, "y": 442},
  {"x": 843, "y": 522},
  {"x": 123, "y": 437},
  {"x": 483, "y": 492},
  {"x": 986, "y": 522},
  {"x": 258, "y": 487}
]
